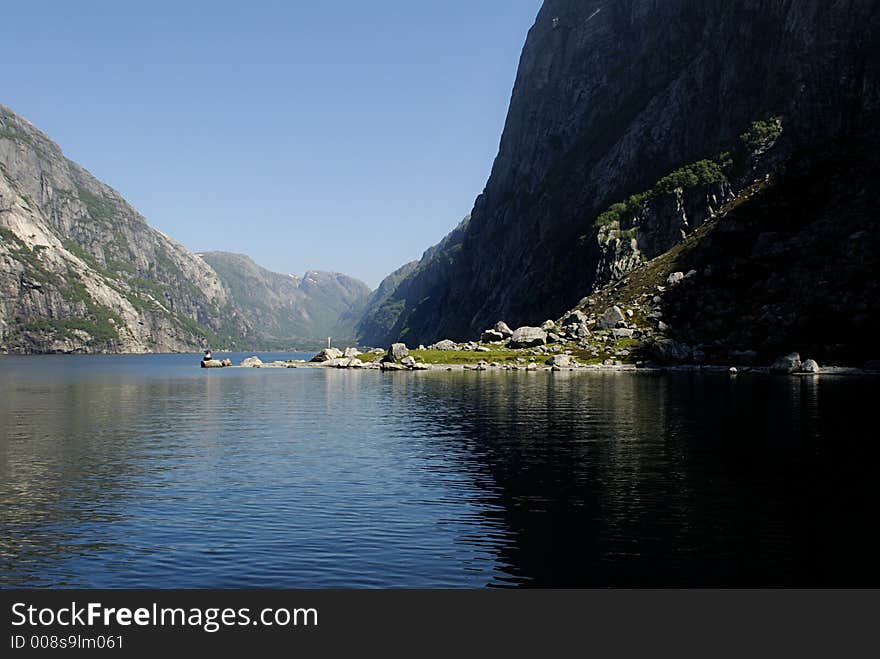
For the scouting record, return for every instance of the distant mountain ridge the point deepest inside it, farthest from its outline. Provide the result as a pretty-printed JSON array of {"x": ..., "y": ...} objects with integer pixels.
[{"x": 287, "y": 310}]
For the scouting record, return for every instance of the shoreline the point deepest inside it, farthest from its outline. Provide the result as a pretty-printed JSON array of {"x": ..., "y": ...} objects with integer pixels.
[{"x": 835, "y": 371}]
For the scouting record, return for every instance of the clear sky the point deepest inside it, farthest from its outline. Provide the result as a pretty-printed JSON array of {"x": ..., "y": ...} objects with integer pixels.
[{"x": 345, "y": 136}]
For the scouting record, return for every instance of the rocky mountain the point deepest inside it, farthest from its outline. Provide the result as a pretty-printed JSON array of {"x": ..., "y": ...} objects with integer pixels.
[
  {"x": 632, "y": 123},
  {"x": 387, "y": 311},
  {"x": 81, "y": 271},
  {"x": 287, "y": 310}
]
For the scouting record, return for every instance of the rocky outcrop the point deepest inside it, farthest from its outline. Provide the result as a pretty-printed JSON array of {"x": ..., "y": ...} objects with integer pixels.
[
  {"x": 787, "y": 364},
  {"x": 397, "y": 352},
  {"x": 327, "y": 354},
  {"x": 611, "y": 98},
  {"x": 527, "y": 337},
  {"x": 810, "y": 366},
  {"x": 491, "y": 336},
  {"x": 611, "y": 318},
  {"x": 81, "y": 271},
  {"x": 287, "y": 310},
  {"x": 252, "y": 362}
]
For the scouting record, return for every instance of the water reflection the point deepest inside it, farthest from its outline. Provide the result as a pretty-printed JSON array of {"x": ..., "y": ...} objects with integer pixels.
[{"x": 127, "y": 472}]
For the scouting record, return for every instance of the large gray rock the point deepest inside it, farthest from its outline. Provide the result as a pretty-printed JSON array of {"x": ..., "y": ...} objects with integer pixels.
[
  {"x": 670, "y": 351},
  {"x": 575, "y": 317},
  {"x": 391, "y": 366},
  {"x": 575, "y": 324},
  {"x": 409, "y": 361},
  {"x": 786, "y": 365},
  {"x": 491, "y": 336},
  {"x": 252, "y": 362},
  {"x": 445, "y": 344},
  {"x": 528, "y": 337},
  {"x": 212, "y": 363},
  {"x": 548, "y": 325},
  {"x": 326, "y": 355},
  {"x": 561, "y": 361},
  {"x": 810, "y": 366},
  {"x": 396, "y": 352},
  {"x": 502, "y": 328},
  {"x": 611, "y": 318},
  {"x": 622, "y": 333},
  {"x": 675, "y": 278},
  {"x": 351, "y": 352}
]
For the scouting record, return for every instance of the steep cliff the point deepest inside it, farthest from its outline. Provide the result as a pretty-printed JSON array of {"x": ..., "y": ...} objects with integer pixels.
[
  {"x": 80, "y": 269},
  {"x": 612, "y": 96},
  {"x": 286, "y": 310}
]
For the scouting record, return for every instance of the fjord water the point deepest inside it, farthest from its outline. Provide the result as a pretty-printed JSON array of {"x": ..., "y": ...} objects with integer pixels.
[{"x": 146, "y": 471}]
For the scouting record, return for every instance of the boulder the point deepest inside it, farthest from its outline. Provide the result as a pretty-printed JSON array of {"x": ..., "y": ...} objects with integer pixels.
[
  {"x": 548, "y": 325},
  {"x": 528, "y": 337},
  {"x": 491, "y": 336},
  {"x": 573, "y": 318},
  {"x": 252, "y": 362},
  {"x": 674, "y": 279},
  {"x": 611, "y": 318},
  {"x": 351, "y": 352},
  {"x": 622, "y": 333},
  {"x": 445, "y": 344},
  {"x": 560, "y": 361},
  {"x": 810, "y": 366},
  {"x": 226, "y": 363},
  {"x": 667, "y": 350},
  {"x": 326, "y": 355},
  {"x": 391, "y": 366},
  {"x": 409, "y": 361},
  {"x": 502, "y": 328},
  {"x": 212, "y": 363},
  {"x": 396, "y": 352},
  {"x": 786, "y": 365}
]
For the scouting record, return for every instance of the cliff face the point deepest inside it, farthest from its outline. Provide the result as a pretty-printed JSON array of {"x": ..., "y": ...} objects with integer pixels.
[
  {"x": 80, "y": 269},
  {"x": 286, "y": 310},
  {"x": 610, "y": 97}
]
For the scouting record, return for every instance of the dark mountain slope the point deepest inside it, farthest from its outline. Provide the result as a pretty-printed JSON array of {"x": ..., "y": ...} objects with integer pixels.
[{"x": 610, "y": 97}]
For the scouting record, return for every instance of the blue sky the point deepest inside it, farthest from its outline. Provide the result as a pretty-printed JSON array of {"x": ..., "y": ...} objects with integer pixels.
[{"x": 344, "y": 136}]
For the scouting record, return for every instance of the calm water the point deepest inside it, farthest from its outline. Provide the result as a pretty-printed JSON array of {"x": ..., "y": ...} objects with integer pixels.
[{"x": 150, "y": 472}]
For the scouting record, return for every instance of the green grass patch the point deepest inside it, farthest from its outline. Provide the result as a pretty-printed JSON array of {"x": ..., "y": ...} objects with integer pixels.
[{"x": 467, "y": 357}]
